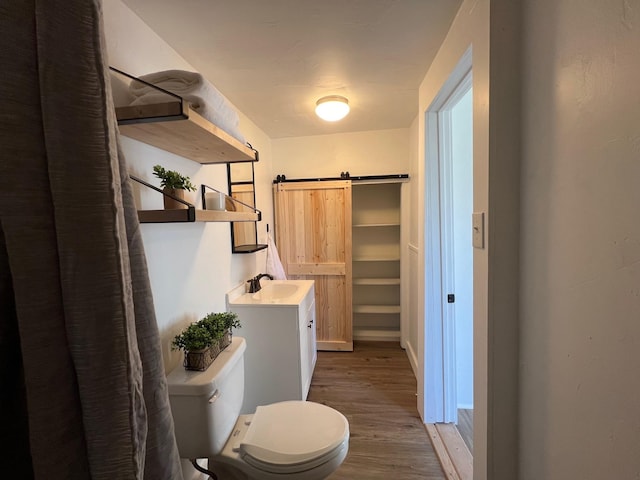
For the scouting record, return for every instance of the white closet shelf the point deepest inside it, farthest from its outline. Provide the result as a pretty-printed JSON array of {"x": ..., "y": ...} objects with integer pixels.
[
  {"x": 391, "y": 258},
  {"x": 383, "y": 309},
  {"x": 376, "y": 335},
  {"x": 366, "y": 225},
  {"x": 376, "y": 281}
]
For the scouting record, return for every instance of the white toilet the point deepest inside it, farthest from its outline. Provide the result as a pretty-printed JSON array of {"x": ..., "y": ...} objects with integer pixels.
[{"x": 296, "y": 440}]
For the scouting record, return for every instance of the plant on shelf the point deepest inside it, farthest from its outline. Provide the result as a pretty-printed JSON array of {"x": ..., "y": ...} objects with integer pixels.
[
  {"x": 220, "y": 323},
  {"x": 203, "y": 340},
  {"x": 174, "y": 184}
]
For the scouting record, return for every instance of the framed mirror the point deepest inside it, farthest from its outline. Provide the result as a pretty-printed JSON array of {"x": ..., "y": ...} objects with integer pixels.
[{"x": 244, "y": 235}]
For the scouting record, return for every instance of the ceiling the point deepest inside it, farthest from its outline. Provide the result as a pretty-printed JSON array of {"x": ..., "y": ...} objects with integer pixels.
[{"x": 274, "y": 58}]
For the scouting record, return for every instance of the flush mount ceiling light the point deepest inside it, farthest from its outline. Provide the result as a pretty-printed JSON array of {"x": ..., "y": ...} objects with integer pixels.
[{"x": 332, "y": 108}]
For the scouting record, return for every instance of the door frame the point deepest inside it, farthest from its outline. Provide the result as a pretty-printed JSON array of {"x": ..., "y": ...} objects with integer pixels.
[{"x": 439, "y": 337}]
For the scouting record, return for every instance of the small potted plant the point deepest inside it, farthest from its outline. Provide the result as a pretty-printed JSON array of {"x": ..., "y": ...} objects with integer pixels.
[
  {"x": 203, "y": 340},
  {"x": 174, "y": 184}
]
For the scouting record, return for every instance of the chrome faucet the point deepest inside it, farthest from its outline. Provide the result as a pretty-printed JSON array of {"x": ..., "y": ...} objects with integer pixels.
[{"x": 254, "y": 283}]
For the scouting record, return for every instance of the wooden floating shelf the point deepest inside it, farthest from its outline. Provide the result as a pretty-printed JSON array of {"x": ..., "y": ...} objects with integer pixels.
[
  {"x": 192, "y": 215},
  {"x": 173, "y": 126}
]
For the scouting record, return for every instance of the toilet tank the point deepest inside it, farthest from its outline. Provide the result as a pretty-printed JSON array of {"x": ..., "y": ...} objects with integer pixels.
[{"x": 205, "y": 405}]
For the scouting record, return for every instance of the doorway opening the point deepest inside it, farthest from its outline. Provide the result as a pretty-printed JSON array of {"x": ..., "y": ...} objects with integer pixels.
[
  {"x": 457, "y": 253},
  {"x": 448, "y": 399}
]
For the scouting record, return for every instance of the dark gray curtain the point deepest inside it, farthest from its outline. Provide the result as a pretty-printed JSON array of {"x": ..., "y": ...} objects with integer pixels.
[{"x": 82, "y": 385}]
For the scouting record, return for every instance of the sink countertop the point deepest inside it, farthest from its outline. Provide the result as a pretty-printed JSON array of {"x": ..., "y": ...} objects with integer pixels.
[{"x": 238, "y": 295}]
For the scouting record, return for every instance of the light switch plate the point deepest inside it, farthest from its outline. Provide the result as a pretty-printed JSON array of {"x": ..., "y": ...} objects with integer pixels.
[{"x": 477, "y": 235}]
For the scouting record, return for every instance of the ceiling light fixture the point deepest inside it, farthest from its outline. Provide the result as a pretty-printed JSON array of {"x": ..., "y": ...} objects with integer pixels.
[{"x": 332, "y": 108}]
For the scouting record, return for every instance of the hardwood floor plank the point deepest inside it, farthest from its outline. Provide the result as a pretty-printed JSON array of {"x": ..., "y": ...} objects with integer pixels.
[
  {"x": 465, "y": 426},
  {"x": 374, "y": 387}
]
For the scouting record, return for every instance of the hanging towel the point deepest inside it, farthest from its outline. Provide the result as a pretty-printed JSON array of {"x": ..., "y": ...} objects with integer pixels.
[{"x": 274, "y": 266}]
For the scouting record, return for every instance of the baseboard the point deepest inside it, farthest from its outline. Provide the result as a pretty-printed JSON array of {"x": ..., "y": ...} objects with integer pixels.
[{"x": 413, "y": 358}]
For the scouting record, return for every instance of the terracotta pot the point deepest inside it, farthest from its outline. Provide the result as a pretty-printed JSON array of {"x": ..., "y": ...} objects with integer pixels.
[{"x": 170, "y": 203}]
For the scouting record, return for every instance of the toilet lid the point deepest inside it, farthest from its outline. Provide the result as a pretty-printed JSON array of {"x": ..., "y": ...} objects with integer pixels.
[{"x": 288, "y": 433}]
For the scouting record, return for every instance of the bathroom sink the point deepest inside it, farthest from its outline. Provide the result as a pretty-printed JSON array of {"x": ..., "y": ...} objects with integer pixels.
[{"x": 274, "y": 292}]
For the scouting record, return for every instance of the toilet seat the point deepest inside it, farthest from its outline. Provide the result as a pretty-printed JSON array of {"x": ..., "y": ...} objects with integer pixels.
[{"x": 293, "y": 436}]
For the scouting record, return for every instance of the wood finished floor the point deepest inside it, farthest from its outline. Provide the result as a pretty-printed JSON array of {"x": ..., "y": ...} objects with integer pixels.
[
  {"x": 465, "y": 427},
  {"x": 374, "y": 387}
]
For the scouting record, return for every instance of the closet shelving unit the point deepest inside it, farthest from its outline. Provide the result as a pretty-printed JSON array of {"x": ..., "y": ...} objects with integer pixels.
[
  {"x": 376, "y": 260},
  {"x": 173, "y": 126}
]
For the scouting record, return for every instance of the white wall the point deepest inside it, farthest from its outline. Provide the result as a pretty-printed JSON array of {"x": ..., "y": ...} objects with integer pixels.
[
  {"x": 190, "y": 265},
  {"x": 580, "y": 295},
  {"x": 377, "y": 152}
]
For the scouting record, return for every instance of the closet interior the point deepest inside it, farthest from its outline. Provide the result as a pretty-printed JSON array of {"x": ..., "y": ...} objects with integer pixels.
[{"x": 376, "y": 227}]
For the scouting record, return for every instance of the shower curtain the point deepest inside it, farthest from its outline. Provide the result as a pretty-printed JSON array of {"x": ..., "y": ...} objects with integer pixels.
[{"x": 82, "y": 385}]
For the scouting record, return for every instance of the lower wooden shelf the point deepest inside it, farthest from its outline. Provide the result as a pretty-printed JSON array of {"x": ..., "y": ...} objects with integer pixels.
[
  {"x": 249, "y": 248},
  {"x": 193, "y": 215}
]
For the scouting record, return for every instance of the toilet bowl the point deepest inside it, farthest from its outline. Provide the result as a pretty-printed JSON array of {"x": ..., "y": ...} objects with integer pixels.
[{"x": 296, "y": 440}]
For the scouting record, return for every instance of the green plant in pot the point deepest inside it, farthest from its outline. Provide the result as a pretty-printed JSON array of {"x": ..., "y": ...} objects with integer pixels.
[
  {"x": 220, "y": 323},
  {"x": 203, "y": 340},
  {"x": 174, "y": 184}
]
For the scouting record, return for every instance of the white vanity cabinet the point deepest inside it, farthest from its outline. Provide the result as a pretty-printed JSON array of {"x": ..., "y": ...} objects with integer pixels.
[{"x": 280, "y": 332}]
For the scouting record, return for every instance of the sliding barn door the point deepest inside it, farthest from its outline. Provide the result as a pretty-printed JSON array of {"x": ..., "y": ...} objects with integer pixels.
[{"x": 313, "y": 233}]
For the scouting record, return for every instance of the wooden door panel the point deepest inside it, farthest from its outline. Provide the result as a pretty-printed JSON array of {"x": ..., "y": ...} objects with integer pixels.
[
  {"x": 332, "y": 333},
  {"x": 317, "y": 269},
  {"x": 313, "y": 233}
]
